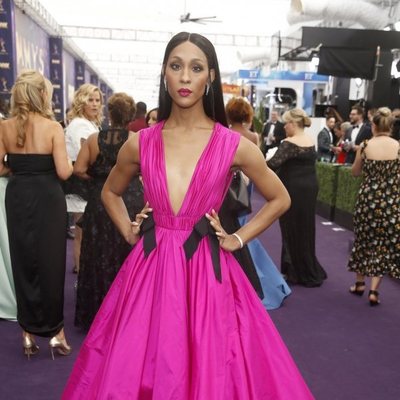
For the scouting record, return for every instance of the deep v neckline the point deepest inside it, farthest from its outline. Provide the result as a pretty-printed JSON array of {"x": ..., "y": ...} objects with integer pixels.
[{"x": 194, "y": 174}]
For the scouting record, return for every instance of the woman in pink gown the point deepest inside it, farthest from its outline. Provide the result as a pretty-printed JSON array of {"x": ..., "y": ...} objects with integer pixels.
[{"x": 181, "y": 321}]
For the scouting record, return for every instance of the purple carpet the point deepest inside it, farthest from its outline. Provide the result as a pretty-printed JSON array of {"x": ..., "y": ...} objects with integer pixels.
[{"x": 344, "y": 348}]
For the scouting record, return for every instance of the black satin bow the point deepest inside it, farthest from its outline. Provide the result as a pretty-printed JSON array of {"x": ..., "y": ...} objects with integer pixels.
[
  {"x": 200, "y": 230},
  {"x": 149, "y": 235}
]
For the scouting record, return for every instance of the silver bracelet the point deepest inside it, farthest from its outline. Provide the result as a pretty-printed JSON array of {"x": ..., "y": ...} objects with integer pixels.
[{"x": 238, "y": 238}]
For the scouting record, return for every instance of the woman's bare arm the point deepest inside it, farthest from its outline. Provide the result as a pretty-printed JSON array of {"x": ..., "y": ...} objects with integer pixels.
[
  {"x": 250, "y": 160},
  {"x": 82, "y": 162},
  {"x": 4, "y": 170},
  {"x": 118, "y": 180},
  {"x": 62, "y": 162},
  {"x": 356, "y": 168}
]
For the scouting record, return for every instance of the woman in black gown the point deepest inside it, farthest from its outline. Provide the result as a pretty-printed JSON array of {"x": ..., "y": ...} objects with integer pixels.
[
  {"x": 36, "y": 210},
  {"x": 103, "y": 248},
  {"x": 294, "y": 162}
]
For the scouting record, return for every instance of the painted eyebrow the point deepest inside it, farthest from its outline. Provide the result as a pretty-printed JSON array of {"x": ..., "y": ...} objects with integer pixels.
[{"x": 194, "y": 60}]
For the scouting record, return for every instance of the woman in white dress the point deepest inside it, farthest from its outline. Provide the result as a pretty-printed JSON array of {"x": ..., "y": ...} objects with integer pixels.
[{"x": 85, "y": 118}]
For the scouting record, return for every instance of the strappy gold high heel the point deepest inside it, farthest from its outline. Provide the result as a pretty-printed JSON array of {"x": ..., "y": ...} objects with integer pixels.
[
  {"x": 29, "y": 346},
  {"x": 60, "y": 345}
]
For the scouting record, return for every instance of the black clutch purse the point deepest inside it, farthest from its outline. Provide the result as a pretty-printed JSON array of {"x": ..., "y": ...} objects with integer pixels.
[{"x": 237, "y": 198}]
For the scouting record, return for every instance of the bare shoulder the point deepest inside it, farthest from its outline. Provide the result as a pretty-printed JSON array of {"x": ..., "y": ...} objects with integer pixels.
[
  {"x": 55, "y": 125},
  {"x": 394, "y": 142},
  {"x": 386, "y": 140},
  {"x": 8, "y": 130},
  {"x": 246, "y": 144},
  {"x": 50, "y": 128},
  {"x": 130, "y": 150},
  {"x": 252, "y": 136},
  {"x": 133, "y": 140},
  {"x": 246, "y": 150}
]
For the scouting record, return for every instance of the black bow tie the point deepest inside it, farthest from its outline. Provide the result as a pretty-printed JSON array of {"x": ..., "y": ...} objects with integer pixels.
[{"x": 356, "y": 126}]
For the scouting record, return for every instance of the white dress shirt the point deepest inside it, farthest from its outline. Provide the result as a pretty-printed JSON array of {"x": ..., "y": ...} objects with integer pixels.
[
  {"x": 269, "y": 138},
  {"x": 355, "y": 131}
]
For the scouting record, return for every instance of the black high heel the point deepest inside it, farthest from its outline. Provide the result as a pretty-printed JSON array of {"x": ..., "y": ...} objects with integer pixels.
[
  {"x": 354, "y": 289},
  {"x": 372, "y": 302}
]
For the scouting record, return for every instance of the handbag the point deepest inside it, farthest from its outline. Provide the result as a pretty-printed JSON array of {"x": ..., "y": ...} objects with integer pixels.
[{"x": 238, "y": 198}]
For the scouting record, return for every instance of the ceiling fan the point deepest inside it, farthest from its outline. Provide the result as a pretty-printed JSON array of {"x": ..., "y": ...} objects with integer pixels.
[{"x": 199, "y": 20}]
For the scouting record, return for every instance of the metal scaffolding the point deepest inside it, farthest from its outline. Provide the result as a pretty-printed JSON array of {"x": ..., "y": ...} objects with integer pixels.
[{"x": 139, "y": 35}]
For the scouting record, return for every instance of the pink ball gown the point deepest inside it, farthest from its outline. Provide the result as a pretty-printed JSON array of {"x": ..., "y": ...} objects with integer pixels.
[{"x": 181, "y": 321}]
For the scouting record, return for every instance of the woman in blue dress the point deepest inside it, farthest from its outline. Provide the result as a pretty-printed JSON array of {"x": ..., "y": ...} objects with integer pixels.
[{"x": 274, "y": 287}]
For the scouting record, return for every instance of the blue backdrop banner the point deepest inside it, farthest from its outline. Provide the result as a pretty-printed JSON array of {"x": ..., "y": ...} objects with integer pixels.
[
  {"x": 79, "y": 73},
  {"x": 56, "y": 76},
  {"x": 7, "y": 51}
]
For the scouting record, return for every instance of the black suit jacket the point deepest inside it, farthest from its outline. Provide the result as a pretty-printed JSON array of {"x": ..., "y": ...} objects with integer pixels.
[
  {"x": 363, "y": 134},
  {"x": 279, "y": 133}
]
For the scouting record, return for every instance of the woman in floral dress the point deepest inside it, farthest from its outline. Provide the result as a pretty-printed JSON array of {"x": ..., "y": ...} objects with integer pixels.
[{"x": 376, "y": 250}]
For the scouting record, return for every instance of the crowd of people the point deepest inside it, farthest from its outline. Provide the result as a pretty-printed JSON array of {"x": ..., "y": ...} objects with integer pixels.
[
  {"x": 339, "y": 140},
  {"x": 371, "y": 148},
  {"x": 164, "y": 245}
]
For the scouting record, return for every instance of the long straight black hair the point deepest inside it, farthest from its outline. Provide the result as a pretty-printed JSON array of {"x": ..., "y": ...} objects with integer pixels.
[{"x": 213, "y": 102}]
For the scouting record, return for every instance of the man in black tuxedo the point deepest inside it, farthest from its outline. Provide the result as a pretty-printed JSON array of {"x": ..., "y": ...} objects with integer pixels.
[
  {"x": 273, "y": 133},
  {"x": 355, "y": 135}
]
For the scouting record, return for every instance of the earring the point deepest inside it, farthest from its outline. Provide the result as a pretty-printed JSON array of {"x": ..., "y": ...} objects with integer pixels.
[
  {"x": 165, "y": 84},
  {"x": 207, "y": 88}
]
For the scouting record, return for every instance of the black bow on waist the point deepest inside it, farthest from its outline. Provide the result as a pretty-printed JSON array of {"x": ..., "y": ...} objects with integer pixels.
[
  {"x": 149, "y": 234},
  {"x": 200, "y": 230}
]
